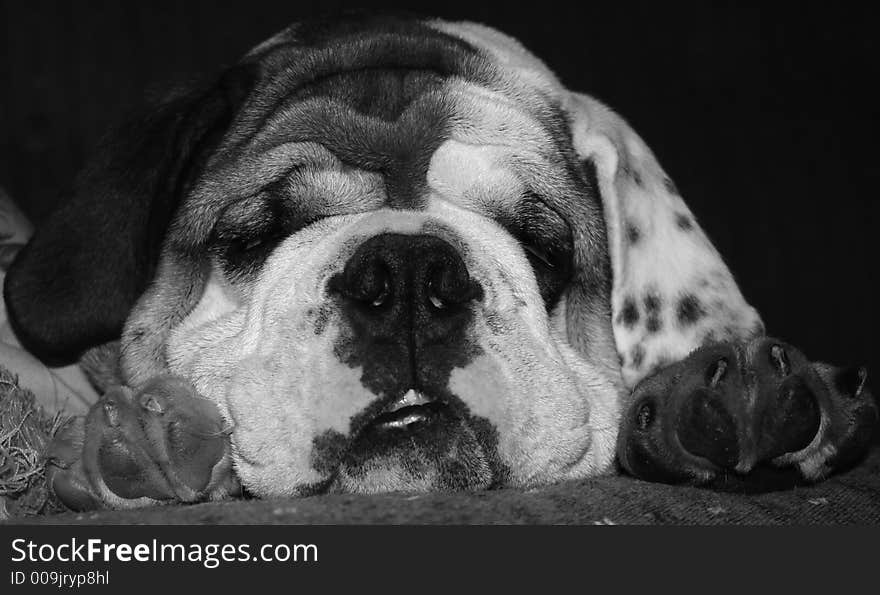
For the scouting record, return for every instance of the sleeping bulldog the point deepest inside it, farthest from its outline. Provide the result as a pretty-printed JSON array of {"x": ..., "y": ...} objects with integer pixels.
[{"x": 392, "y": 254}]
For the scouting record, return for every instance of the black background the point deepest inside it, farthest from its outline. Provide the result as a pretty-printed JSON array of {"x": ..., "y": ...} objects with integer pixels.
[{"x": 765, "y": 118}]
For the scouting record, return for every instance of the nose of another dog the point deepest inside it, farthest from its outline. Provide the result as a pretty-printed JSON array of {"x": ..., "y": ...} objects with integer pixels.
[{"x": 394, "y": 277}]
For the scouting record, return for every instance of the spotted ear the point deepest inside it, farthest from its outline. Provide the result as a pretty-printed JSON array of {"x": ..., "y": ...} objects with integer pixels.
[{"x": 672, "y": 291}]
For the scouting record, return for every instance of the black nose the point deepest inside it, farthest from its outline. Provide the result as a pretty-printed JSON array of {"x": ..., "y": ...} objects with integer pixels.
[{"x": 392, "y": 278}]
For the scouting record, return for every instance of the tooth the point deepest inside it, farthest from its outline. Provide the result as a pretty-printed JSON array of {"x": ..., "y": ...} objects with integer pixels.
[{"x": 411, "y": 397}]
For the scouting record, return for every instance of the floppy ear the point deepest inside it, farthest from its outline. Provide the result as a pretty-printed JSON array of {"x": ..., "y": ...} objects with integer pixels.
[
  {"x": 671, "y": 290},
  {"x": 73, "y": 285}
]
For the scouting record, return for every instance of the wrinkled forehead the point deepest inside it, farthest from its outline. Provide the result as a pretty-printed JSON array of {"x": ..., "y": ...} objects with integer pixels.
[{"x": 359, "y": 119}]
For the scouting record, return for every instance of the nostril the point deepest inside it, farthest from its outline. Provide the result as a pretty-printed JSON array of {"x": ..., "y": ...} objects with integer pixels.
[
  {"x": 435, "y": 300},
  {"x": 447, "y": 283},
  {"x": 367, "y": 282},
  {"x": 383, "y": 295},
  {"x": 391, "y": 270},
  {"x": 370, "y": 283}
]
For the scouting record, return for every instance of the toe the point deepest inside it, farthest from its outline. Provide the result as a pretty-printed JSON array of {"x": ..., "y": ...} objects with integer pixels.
[
  {"x": 707, "y": 429},
  {"x": 117, "y": 454},
  {"x": 74, "y": 491},
  {"x": 788, "y": 418},
  {"x": 67, "y": 444},
  {"x": 186, "y": 433},
  {"x": 64, "y": 471}
]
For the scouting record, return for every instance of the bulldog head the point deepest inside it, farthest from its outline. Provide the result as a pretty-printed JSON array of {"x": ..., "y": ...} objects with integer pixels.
[{"x": 390, "y": 251}]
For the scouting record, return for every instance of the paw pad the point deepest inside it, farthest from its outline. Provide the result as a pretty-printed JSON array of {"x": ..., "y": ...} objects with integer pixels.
[{"x": 742, "y": 416}]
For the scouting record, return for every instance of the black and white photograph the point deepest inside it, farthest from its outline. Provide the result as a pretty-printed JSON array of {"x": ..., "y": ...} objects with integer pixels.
[{"x": 338, "y": 264}]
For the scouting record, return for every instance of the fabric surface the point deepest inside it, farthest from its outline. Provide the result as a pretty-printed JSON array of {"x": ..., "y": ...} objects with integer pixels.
[{"x": 850, "y": 498}]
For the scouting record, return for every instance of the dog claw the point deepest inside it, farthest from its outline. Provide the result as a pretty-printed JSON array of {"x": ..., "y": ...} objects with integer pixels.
[
  {"x": 863, "y": 379},
  {"x": 152, "y": 404},
  {"x": 718, "y": 372},
  {"x": 111, "y": 413},
  {"x": 777, "y": 353},
  {"x": 852, "y": 381}
]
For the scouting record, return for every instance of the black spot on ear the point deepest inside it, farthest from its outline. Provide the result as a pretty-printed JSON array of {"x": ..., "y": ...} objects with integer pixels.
[
  {"x": 620, "y": 359},
  {"x": 632, "y": 233},
  {"x": 654, "y": 323},
  {"x": 684, "y": 222},
  {"x": 637, "y": 178},
  {"x": 689, "y": 310},
  {"x": 320, "y": 319},
  {"x": 629, "y": 314},
  {"x": 653, "y": 302},
  {"x": 637, "y": 354},
  {"x": 670, "y": 186}
]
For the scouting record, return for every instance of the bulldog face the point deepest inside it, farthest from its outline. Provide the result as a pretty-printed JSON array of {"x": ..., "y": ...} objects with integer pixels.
[
  {"x": 403, "y": 326},
  {"x": 385, "y": 255},
  {"x": 396, "y": 254}
]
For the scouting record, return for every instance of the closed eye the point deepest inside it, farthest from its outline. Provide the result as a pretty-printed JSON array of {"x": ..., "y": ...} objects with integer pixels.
[
  {"x": 546, "y": 239},
  {"x": 247, "y": 232},
  {"x": 542, "y": 255},
  {"x": 248, "y": 245}
]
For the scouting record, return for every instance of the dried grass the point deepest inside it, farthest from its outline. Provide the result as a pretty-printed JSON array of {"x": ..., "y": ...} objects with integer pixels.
[{"x": 25, "y": 432}]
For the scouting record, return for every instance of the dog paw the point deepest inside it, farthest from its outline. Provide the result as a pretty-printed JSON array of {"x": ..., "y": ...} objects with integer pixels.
[
  {"x": 161, "y": 444},
  {"x": 747, "y": 417}
]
